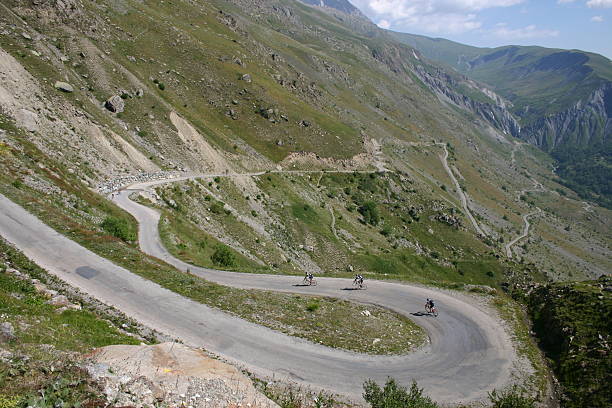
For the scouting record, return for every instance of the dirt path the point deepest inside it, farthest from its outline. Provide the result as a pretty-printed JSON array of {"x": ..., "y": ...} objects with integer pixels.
[
  {"x": 537, "y": 187},
  {"x": 524, "y": 234},
  {"x": 462, "y": 195}
]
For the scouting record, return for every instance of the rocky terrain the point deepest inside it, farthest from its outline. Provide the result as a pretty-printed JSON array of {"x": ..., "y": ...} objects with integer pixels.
[{"x": 142, "y": 376}]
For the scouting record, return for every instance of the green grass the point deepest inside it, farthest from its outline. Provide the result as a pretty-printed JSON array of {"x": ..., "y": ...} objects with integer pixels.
[
  {"x": 192, "y": 244},
  {"x": 47, "y": 373}
]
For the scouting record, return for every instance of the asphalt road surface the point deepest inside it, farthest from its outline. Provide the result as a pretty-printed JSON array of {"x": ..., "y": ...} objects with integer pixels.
[{"x": 469, "y": 352}]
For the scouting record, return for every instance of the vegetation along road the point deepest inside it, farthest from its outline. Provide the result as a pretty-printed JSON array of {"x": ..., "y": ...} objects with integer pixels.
[{"x": 468, "y": 355}]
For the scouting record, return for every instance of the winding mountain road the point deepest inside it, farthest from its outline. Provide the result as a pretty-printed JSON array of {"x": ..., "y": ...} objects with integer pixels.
[
  {"x": 525, "y": 233},
  {"x": 462, "y": 196},
  {"x": 469, "y": 352}
]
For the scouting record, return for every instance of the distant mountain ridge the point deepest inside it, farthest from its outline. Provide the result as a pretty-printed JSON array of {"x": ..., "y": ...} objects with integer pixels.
[{"x": 562, "y": 100}]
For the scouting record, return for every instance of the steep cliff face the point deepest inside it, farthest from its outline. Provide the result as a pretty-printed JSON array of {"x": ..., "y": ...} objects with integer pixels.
[
  {"x": 587, "y": 122},
  {"x": 466, "y": 94}
]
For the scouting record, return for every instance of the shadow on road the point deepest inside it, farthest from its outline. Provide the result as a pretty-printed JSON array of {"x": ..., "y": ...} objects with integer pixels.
[{"x": 422, "y": 314}]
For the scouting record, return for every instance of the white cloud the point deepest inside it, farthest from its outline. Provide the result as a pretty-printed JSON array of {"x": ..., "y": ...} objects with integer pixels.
[
  {"x": 591, "y": 3},
  {"x": 599, "y": 3},
  {"x": 384, "y": 24},
  {"x": 530, "y": 31},
  {"x": 435, "y": 16},
  {"x": 597, "y": 19}
]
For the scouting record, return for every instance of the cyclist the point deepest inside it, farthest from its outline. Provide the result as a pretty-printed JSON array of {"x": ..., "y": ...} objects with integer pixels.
[
  {"x": 429, "y": 305},
  {"x": 358, "y": 279},
  {"x": 308, "y": 278}
]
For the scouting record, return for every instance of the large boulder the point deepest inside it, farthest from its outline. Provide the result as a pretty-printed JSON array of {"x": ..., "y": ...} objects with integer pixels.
[
  {"x": 64, "y": 86},
  {"x": 115, "y": 104},
  {"x": 27, "y": 120}
]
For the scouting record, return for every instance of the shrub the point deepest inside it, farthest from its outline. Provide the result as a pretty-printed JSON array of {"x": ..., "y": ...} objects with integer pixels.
[
  {"x": 312, "y": 307},
  {"x": 386, "y": 231},
  {"x": 514, "y": 397},
  {"x": 161, "y": 86},
  {"x": 119, "y": 228},
  {"x": 369, "y": 212},
  {"x": 17, "y": 184},
  {"x": 394, "y": 395},
  {"x": 216, "y": 208},
  {"x": 223, "y": 256}
]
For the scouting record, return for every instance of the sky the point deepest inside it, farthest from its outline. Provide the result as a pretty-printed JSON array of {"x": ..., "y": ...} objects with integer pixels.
[{"x": 567, "y": 24}]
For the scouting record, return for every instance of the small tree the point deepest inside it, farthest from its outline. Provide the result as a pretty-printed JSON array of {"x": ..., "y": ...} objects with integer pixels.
[
  {"x": 394, "y": 395},
  {"x": 223, "y": 256}
]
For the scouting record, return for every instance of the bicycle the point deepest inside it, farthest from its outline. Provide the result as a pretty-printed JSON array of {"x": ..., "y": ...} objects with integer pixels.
[
  {"x": 431, "y": 310},
  {"x": 359, "y": 285},
  {"x": 309, "y": 281}
]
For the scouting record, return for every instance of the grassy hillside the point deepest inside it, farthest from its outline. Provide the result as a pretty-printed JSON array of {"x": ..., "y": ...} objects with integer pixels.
[{"x": 40, "y": 342}]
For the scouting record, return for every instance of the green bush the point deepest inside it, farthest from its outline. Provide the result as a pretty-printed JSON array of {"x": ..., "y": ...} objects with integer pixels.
[
  {"x": 514, "y": 397},
  {"x": 313, "y": 306},
  {"x": 216, "y": 208},
  {"x": 119, "y": 227},
  {"x": 369, "y": 212},
  {"x": 394, "y": 395},
  {"x": 223, "y": 256}
]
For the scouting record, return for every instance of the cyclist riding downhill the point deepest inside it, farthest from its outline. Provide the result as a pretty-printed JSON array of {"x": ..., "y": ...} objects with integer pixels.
[
  {"x": 430, "y": 307},
  {"x": 358, "y": 281},
  {"x": 309, "y": 279}
]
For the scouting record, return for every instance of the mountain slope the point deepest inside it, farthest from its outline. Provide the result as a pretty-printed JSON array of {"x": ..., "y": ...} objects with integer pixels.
[
  {"x": 562, "y": 100},
  {"x": 251, "y": 86}
]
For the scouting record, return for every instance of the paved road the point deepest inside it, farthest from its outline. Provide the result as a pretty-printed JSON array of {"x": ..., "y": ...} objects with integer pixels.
[{"x": 469, "y": 353}]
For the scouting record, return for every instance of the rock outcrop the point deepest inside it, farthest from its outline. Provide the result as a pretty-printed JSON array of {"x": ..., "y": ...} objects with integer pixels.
[
  {"x": 172, "y": 374},
  {"x": 587, "y": 121},
  {"x": 115, "y": 104},
  {"x": 496, "y": 113}
]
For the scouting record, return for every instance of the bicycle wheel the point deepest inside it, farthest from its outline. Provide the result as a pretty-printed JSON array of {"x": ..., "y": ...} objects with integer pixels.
[
  {"x": 363, "y": 286},
  {"x": 314, "y": 282},
  {"x": 434, "y": 311}
]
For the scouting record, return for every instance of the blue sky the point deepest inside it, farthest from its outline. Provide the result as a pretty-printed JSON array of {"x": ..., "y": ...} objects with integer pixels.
[{"x": 580, "y": 24}]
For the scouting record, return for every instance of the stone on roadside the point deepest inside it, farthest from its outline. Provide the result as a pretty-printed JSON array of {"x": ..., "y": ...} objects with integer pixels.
[
  {"x": 59, "y": 300},
  {"x": 64, "y": 87}
]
